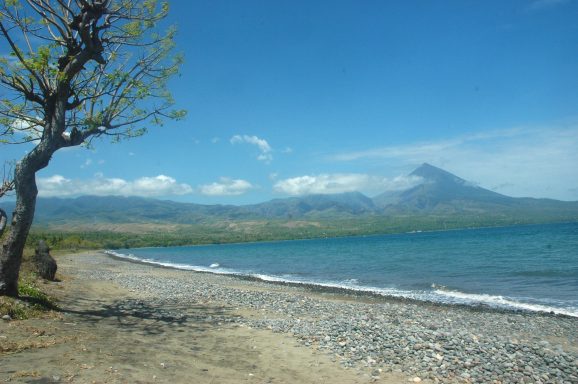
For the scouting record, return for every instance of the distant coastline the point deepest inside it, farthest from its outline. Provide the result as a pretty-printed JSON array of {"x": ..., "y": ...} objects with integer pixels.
[{"x": 441, "y": 201}]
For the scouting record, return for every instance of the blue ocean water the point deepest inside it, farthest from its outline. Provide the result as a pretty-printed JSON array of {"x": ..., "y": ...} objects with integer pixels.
[{"x": 532, "y": 267}]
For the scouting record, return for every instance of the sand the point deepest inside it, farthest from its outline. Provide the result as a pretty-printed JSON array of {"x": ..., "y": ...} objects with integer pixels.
[{"x": 108, "y": 334}]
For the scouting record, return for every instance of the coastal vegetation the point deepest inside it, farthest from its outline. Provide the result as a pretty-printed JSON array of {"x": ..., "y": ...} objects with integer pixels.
[
  {"x": 83, "y": 237},
  {"x": 33, "y": 300}
]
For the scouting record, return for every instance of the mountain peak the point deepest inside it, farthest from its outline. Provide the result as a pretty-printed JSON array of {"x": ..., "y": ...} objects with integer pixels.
[
  {"x": 434, "y": 174},
  {"x": 443, "y": 191}
]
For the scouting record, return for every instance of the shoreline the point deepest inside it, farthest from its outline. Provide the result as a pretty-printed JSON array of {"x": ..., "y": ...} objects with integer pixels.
[
  {"x": 358, "y": 293},
  {"x": 144, "y": 324},
  {"x": 432, "y": 342}
]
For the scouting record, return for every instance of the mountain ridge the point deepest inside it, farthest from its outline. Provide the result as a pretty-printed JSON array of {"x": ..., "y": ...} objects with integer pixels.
[
  {"x": 441, "y": 189},
  {"x": 439, "y": 194}
]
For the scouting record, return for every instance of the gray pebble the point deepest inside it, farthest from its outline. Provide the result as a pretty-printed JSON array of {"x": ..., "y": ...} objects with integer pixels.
[{"x": 446, "y": 344}]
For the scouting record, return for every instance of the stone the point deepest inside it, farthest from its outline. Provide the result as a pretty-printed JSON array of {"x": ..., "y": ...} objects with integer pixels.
[
  {"x": 6, "y": 318},
  {"x": 44, "y": 262}
]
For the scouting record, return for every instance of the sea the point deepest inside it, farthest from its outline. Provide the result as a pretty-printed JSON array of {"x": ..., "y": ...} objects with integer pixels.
[{"x": 530, "y": 267}]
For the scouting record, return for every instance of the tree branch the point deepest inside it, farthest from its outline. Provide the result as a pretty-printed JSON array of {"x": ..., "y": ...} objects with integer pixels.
[
  {"x": 21, "y": 59},
  {"x": 7, "y": 186},
  {"x": 98, "y": 80}
]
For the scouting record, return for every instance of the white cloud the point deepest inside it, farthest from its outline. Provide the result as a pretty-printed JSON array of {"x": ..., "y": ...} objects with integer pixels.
[
  {"x": 226, "y": 187},
  {"x": 343, "y": 182},
  {"x": 262, "y": 144},
  {"x": 533, "y": 162},
  {"x": 541, "y": 4},
  {"x": 161, "y": 185},
  {"x": 26, "y": 130},
  {"x": 418, "y": 151},
  {"x": 21, "y": 125},
  {"x": 87, "y": 163},
  {"x": 400, "y": 183}
]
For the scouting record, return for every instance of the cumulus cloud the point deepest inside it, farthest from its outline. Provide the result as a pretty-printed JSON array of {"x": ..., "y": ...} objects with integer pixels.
[
  {"x": 343, "y": 182},
  {"x": 23, "y": 131},
  {"x": 226, "y": 187},
  {"x": 401, "y": 183},
  {"x": 161, "y": 185},
  {"x": 532, "y": 162},
  {"x": 264, "y": 147}
]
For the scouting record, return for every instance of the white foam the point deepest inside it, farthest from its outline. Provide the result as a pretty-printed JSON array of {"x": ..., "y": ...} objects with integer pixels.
[
  {"x": 439, "y": 293},
  {"x": 499, "y": 301},
  {"x": 186, "y": 267}
]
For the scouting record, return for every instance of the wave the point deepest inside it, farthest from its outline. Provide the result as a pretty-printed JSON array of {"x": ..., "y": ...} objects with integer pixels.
[
  {"x": 213, "y": 268},
  {"x": 498, "y": 301},
  {"x": 437, "y": 294}
]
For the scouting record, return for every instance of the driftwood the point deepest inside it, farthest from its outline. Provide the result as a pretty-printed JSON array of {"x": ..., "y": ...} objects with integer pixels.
[{"x": 45, "y": 264}]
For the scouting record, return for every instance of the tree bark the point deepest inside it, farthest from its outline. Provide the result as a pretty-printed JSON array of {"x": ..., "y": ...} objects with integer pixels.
[
  {"x": 3, "y": 221},
  {"x": 11, "y": 256},
  {"x": 26, "y": 192},
  {"x": 81, "y": 32}
]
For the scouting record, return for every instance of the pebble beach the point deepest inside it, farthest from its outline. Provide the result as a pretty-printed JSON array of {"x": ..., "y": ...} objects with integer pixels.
[{"x": 421, "y": 341}]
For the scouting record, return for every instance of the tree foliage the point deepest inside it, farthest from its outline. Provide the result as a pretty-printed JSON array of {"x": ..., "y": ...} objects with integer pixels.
[
  {"x": 105, "y": 58},
  {"x": 71, "y": 71}
]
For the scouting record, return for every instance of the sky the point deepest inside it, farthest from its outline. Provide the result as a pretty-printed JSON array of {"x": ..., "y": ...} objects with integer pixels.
[{"x": 287, "y": 98}]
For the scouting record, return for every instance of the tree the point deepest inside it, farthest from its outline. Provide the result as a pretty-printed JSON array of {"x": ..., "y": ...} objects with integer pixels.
[
  {"x": 6, "y": 186},
  {"x": 76, "y": 70}
]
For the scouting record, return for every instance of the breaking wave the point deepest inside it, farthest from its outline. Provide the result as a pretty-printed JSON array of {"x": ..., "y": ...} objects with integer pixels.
[{"x": 437, "y": 294}]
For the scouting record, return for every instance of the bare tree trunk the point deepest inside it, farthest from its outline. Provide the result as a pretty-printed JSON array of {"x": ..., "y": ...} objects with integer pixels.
[
  {"x": 6, "y": 186},
  {"x": 13, "y": 246},
  {"x": 26, "y": 192},
  {"x": 3, "y": 220},
  {"x": 67, "y": 86}
]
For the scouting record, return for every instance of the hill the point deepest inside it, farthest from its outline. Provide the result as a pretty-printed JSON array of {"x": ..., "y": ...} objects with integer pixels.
[
  {"x": 441, "y": 200},
  {"x": 442, "y": 193},
  {"x": 315, "y": 206}
]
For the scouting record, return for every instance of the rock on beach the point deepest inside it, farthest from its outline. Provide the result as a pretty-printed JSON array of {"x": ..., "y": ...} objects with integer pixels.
[{"x": 425, "y": 342}]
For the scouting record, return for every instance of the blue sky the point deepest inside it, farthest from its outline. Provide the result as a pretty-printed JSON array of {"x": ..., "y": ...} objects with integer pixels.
[{"x": 295, "y": 97}]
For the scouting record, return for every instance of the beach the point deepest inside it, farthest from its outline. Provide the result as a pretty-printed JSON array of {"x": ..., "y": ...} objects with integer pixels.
[{"x": 124, "y": 322}]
